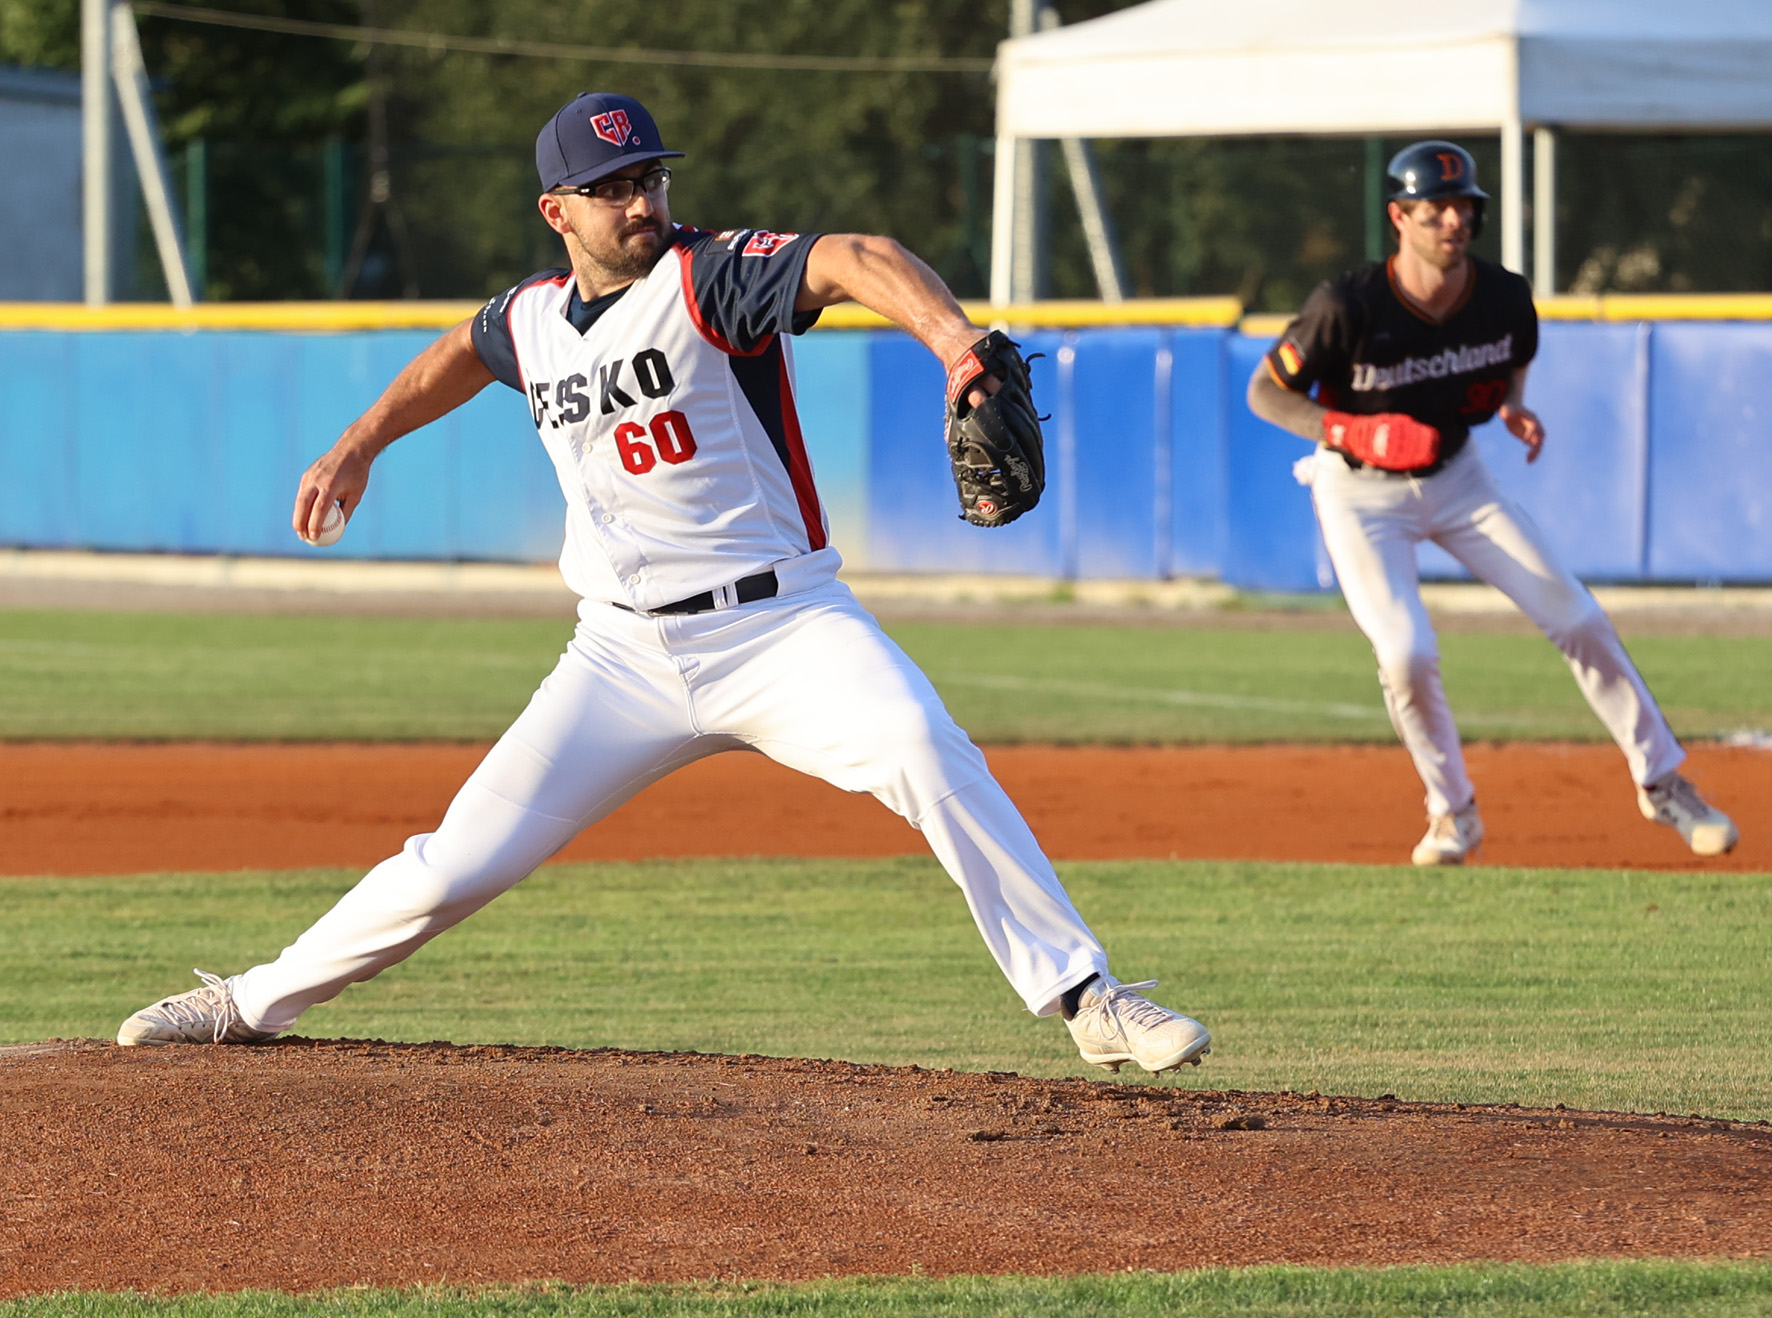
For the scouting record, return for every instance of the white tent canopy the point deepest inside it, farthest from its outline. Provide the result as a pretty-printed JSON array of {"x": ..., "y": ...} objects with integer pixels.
[{"x": 1176, "y": 68}]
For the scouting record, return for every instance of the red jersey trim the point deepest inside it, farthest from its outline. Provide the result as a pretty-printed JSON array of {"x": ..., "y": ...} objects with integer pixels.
[
  {"x": 685, "y": 259},
  {"x": 799, "y": 467}
]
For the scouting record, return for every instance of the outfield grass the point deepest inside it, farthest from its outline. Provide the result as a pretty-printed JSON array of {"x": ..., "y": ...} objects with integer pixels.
[
  {"x": 69, "y": 674},
  {"x": 1604, "y": 990},
  {"x": 1601, "y": 990},
  {"x": 1617, "y": 1289}
]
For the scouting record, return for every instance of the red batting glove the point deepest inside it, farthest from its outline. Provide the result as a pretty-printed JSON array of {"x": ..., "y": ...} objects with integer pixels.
[{"x": 1389, "y": 440}]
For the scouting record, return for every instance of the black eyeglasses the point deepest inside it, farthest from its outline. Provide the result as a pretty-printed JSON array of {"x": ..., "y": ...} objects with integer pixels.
[{"x": 620, "y": 191}]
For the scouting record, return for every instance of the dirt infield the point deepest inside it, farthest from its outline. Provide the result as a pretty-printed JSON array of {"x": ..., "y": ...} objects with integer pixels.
[
  {"x": 122, "y": 809},
  {"x": 300, "y": 1166}
]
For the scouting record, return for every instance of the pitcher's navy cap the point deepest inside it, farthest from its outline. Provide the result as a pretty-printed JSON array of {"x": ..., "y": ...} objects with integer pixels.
[{"x": 596, "y": 134}]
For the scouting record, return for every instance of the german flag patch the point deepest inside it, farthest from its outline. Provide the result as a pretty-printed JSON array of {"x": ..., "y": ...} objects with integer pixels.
[{"x": 1290, "y": 359}]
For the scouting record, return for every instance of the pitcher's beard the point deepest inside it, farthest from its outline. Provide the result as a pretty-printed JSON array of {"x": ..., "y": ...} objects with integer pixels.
[{"x": 627, "y": 258}]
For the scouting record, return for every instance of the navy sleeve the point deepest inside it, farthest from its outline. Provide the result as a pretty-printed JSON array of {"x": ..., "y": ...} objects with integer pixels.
[
  {"x": 1314, "y": 346},
  {"x": 743, "y": 284},
  {"x": 492, "y": 332},
  {"x": 1526, "y": 346}
]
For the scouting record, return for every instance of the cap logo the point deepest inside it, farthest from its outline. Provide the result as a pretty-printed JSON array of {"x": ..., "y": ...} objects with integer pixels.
[
  {"x": 613, "y": 127},
  {"x": 1451, "y": 165}
]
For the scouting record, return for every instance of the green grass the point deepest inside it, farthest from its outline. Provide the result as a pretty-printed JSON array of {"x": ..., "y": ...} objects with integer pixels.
[
  {"x": 1494, "y": 985},
  {"x": 1604, "y": 990},
  {"x": 1161, "y": 684},
  {"x": 1640, "y": 1287},
  {"x": 70, "y": 674},
  {"x": 161, "y": 675}
]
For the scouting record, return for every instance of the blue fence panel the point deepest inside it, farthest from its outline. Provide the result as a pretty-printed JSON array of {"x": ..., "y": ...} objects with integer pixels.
[
  {"x": 1271, "y": 540},
  {"x": 1710, "y": 444},
  {"x": 1198, "y": 406},
  {"x": 1587, "y": 489},
  {"x": 1657, "y": 464},
  {"x": 1120, "y": 455},
  {"x": 38, "y": 424},
  {"x": 505, "y": 493},
  {"x": 146, "y": 473},
  {"x": 408, "y": 511},
  {"x": 263, "y": 453},
  {"x": 833, "y": 389},
  {"x": 913, "y": 517}
]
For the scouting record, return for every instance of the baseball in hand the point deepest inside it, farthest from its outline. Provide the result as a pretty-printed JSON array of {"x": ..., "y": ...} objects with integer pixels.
[{"x": 332, "y": 526}]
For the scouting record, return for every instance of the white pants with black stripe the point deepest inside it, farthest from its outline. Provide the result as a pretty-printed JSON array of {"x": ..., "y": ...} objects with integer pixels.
[
  {"x": 808, "y": 679},
  {"x": 1372, "y": 523}
]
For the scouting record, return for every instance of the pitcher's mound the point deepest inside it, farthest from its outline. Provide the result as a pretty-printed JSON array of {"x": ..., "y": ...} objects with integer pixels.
[{"x": 305, "y": 1164}]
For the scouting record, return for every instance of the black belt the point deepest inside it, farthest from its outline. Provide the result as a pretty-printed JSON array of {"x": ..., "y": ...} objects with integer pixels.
[{"x": 745, "y": 590}]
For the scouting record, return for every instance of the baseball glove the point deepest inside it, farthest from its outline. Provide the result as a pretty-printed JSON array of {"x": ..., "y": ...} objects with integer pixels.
[
  {"x": 1388, "y": 440},
  {"x": 998, "y": 456}
]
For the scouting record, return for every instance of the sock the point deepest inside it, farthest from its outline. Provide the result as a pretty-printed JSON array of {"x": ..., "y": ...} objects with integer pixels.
[{"x": 1067, "y": 1004}]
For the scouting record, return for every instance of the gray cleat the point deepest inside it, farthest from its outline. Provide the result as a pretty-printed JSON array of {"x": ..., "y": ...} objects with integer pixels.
[
  {"x": 204, "y": 1015},
  {"x": 1674, "y": 801},
  {"x": 1115, "y": 1023}
]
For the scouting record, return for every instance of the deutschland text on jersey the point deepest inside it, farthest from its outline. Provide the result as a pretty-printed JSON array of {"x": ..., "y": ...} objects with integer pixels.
[
  {"x": 1366, "y": 349},
  {"x": 668, "y": 411}
]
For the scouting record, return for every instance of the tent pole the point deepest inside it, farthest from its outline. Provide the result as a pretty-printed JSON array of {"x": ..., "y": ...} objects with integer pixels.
[
  {"x": 1015, "y": 191},
  {"x": 1029, "y": 240},
  {"x": 131, "y": 76},
  {"x": 1513, "y": 195},
  {"x": 1003, "y": 192},
  {"x": 95, "y": 148},
  {"x": 1098, "y": 229},
  {"x": 1027, "y": 268},
  {"x": 1377, "y": 237},
  {"x": 1544, "y": 212}
]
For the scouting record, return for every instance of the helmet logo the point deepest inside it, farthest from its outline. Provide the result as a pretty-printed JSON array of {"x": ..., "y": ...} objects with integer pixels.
[
  {"x": 1451, "y": 165},
  {"x": 612, "y": 127}
]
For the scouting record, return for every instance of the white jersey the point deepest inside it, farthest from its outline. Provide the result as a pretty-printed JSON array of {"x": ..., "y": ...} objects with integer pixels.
[{"x": 668, "y": 411}]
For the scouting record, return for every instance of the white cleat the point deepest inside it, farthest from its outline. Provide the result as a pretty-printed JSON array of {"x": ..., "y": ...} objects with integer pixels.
[
  {"x": 204, "y": 1015},
  {"x": 1450, "y": 838},
  {"x": 1115, "y": 1023},
  {"x": 1674, "y": 801}
]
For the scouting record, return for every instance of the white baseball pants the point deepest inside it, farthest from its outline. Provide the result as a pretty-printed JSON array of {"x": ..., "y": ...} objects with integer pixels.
[
  {"x": 810, "y": 680},
  {"x": 1371, "y": 525}
]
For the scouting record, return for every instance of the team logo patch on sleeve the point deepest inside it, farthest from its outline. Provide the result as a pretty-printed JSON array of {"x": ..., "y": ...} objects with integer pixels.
[
  {"x": 767, "y": 244},
  {"x": 1290, "y": 359}
]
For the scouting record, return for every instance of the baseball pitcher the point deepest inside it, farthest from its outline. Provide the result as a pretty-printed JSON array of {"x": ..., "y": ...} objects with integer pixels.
[{"x": 658, "y": 372}]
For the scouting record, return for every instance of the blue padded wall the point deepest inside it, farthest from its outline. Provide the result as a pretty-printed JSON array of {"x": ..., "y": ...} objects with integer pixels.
[
  {"x": 1710, "y": 467},
  {"x": 1271, "y": 540},
  {"x": 833, "y": 388},
  {"x": 913, "y": 516},
  {"x": 39, "y": 418},
  {"x": 1658, "y": 465},
  {"x": 1112, "y": 404},
  {"x": 1586, "y": 491},
  {"x": 1198, "y": 405},
  {"x": 193, "y": 443}
]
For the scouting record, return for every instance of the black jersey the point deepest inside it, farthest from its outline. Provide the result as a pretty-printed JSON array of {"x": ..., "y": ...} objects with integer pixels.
[{"x": 1366, "y": 349}]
